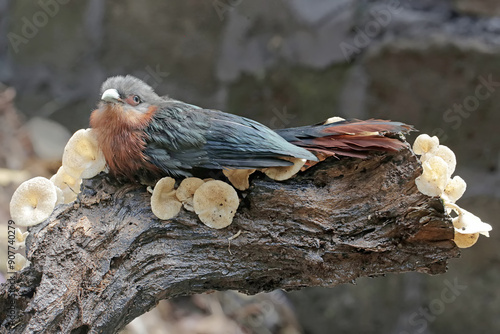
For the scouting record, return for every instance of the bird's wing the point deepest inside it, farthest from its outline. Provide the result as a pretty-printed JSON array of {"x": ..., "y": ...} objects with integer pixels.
[
  {"x": 175, "y": 140},
  {"x": 236, "y": 141},
  {"x": 182, "y": 137}
]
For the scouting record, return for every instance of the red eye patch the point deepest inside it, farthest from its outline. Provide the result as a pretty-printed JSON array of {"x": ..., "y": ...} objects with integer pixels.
[{"x": 133, "y": 100}]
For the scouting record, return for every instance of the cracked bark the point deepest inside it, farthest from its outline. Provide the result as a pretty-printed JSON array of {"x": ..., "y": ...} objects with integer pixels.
[{"x": 104, "y": 260}]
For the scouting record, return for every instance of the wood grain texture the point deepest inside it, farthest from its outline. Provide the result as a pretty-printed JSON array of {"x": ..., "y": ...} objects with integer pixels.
[{"x": 104, "y": 260}]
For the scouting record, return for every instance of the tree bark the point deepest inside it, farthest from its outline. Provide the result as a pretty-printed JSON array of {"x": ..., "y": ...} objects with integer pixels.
[{"x": 100, "y": 262}]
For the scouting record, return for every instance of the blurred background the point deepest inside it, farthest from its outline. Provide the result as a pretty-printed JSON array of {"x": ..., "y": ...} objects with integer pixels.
[{"x": 431, "y": 63}]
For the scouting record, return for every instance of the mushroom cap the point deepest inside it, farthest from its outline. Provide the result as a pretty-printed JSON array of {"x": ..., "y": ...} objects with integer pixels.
[
  {"x": 284, "y": 173},
  {"x": 215, "y": 203},
  {"x": 69, "y": 185},
  {"x": 186, "y": 190},
  {"x": 334, "y": 119},
  {"x": 60, "y": 195},
  {"x": 454, "y": 189},
  {"x": 425, "y": 143},
  {"x": 239, "y": 177},
  {"x": 164, "y": 203},
  {"x": 33, "y": 201},
  {"x": 82, "y": 157},
  {"x": 445, "y": 153},
  {"x": 20, "y": 239},
  {"x": 20, "y": 235},
  {"x": 465, "y": 240},
  {"x": 434, "y": 178},
  {"x": 468, "y": 223}
]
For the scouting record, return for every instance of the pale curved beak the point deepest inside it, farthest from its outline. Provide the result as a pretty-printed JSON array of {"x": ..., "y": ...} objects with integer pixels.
[{"x": 111, "y": 95}]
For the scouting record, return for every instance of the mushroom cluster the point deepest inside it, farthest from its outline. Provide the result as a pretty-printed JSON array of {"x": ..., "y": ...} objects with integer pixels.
[
  {"x": 82, "y": 159},
  {"x": 215, "y": 202},
  {"x": 35, "y": 199},
  {"x": 439, "y": 163}
]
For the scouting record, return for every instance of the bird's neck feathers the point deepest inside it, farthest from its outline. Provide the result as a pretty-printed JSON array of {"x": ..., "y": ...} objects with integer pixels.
[
  {"x": 121, "y": 137},
  {"x": 116, "y": 115}
]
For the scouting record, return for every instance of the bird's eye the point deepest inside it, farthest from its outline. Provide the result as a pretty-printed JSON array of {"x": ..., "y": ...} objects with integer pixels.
[{"x": 133, "y": 100}]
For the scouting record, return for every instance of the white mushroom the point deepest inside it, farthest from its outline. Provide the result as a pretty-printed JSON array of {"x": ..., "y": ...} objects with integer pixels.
[
  {"x": 468, "y": 223},
  {"x": 445, "y": 153},
  {"x": 186, "y": 191},
  {"x": 20, "y": 239},
  {"x": 334, "y": 119},
  {"x": 82, "y": 157},
  {"x": 33, "y": 201},
  {"x": 60, "y": 195},
  {"x": 425, "y": 143},
  {"x": 434, "y": 178},
  {"x": 215, "y": 203},
  {"x": 164, "y": 203},
  {"x": 239, "y": 177},
  {"x": 455, "y": 188},
  {"x": 286, "y": 172},
  {"x": 69, "y": 185}
]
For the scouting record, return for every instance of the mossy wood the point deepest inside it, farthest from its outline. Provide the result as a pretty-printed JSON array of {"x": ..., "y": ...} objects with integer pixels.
[{"x": 102, "y": 261}]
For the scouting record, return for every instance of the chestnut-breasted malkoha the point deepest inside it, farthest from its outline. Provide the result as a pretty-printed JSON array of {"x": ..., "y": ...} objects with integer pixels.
[{"x": 142, "y": 133}]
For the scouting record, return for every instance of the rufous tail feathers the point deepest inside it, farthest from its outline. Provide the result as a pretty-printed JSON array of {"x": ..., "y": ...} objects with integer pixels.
[{"x": 351, "y": 138}]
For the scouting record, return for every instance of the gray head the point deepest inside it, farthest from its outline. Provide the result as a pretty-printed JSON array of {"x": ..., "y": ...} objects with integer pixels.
[{"x": 134, "y": 94}]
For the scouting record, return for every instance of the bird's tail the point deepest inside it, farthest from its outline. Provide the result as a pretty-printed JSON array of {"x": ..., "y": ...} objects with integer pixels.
[{"x": 351, "y": 138}]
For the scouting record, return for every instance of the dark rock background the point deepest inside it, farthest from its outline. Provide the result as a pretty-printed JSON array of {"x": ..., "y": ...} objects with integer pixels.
[{"x": 296, "y": 62}]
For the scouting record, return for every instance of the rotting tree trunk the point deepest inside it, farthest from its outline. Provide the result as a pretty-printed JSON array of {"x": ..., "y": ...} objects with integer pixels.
[{"x": 99, "y": 263}]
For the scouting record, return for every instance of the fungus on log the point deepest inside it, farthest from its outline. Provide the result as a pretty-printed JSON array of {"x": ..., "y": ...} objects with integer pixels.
[{"x": 99, "y": 262}]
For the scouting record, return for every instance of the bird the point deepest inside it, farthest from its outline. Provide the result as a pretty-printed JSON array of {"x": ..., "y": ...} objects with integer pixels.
[{"x": 147, "y": 136}]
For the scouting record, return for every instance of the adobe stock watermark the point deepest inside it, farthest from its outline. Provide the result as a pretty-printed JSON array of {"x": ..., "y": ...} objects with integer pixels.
[
  {"x": 281, "y": 118},
  {"x": 420, "y": 319},
  {"x": 223, "y": 6},
  {"x": 461, "y": 111},
  {"x": 364, "y": 36},
  {"x": 154, "y": 76},
  {"x": 30, "y": 27}
]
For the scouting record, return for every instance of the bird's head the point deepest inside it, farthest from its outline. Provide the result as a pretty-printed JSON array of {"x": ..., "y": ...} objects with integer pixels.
[{"x": 129, "y": 94}]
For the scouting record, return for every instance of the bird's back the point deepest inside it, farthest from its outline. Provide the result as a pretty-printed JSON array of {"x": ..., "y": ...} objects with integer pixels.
[{"x": 181, "y": 137}]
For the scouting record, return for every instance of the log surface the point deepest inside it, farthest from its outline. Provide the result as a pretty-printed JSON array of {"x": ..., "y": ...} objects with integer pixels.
[{"x": 98, "y": 263}]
